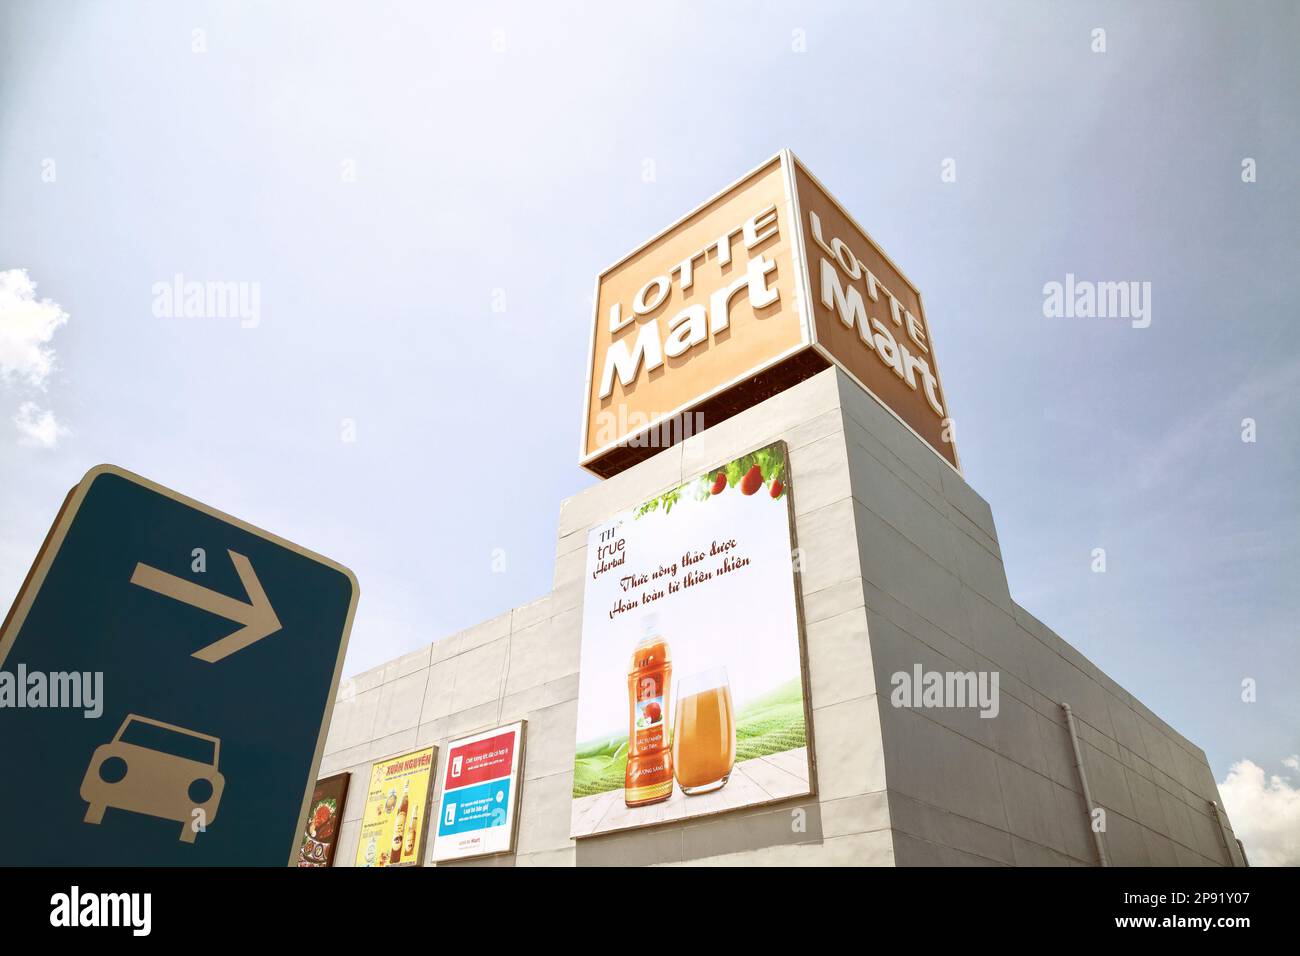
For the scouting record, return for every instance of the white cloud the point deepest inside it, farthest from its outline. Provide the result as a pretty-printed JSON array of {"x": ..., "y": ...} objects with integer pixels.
[
  {"x": 26, "y": 358},
  {"x": 26, "y": 327},
  {"x": 1265, "y": 812},
  {"x": 38, "y": 428}
]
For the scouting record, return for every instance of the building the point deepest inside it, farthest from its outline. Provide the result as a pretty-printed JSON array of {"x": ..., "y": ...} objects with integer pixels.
[{"x": 898, "y": 572}]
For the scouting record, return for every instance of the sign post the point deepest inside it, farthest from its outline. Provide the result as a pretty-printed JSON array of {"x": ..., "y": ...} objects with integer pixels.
[{"x": 167, "y": 675}]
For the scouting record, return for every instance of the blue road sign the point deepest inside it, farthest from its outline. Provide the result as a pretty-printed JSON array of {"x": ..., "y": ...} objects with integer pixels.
[{"x": 167, "y": 675}]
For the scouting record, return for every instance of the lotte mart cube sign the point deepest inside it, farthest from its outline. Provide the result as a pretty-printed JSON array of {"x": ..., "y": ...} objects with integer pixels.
[{"x": 767, "y": 283}]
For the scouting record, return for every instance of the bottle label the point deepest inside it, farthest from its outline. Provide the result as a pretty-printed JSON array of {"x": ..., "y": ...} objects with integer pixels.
[{"x": 649, "y": 713}]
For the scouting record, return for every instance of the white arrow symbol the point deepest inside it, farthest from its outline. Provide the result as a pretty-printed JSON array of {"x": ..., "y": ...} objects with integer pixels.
[{"x": 257, "y": 615}]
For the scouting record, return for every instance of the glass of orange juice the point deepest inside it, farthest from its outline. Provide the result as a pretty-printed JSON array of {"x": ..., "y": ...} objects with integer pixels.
[{"x": 704, "y": 733}]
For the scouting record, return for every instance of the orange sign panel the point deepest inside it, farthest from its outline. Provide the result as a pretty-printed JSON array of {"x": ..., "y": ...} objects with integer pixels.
[
  {"x": 868, "y": 317},
  {"x": 765, "y": 284}
]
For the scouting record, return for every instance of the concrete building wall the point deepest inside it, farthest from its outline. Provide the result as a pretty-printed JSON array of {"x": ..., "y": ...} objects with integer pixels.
[
  {"x": 900, "y": 564},
  {"x": 970, "y": 790}
]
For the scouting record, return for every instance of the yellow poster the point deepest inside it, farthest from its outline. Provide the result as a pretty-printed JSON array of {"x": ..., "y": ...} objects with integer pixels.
[{"x": 395, "y": 819}]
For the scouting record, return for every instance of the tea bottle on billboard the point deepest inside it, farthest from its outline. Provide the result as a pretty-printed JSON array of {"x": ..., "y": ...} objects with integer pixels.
[
  {"x": 399, "y": 825},
  {"x": 649, "y": 775}
]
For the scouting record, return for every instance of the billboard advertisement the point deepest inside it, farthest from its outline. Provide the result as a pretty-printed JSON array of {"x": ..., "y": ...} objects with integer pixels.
[
  {"x": 324, "y": 818},
  {"x": 692, "y": 696},
  {"x": 480, "y": 794},
  {"x": 396, "y": 815}
]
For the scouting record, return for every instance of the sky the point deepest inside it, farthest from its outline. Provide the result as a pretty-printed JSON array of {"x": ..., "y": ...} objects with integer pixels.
[{"x": 417, "y": 198}]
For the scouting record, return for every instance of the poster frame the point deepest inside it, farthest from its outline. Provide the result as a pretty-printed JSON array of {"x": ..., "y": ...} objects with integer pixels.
[
  {"x": 801, "y": 626},
  {"x": 346, "y": 777},
  {"x": 516, "y": 792},
  {"x": 428, "y": 796}
]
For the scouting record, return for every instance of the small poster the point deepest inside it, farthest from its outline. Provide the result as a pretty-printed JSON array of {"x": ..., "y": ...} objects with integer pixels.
[
  {"x": 480, "y": 794},
  {"x": 396, "y": 815},
  {"x": 324, "y": 818}
]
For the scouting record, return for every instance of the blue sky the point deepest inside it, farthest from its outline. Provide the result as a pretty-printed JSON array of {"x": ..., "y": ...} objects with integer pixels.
[{"x": 500, "y": 157}]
